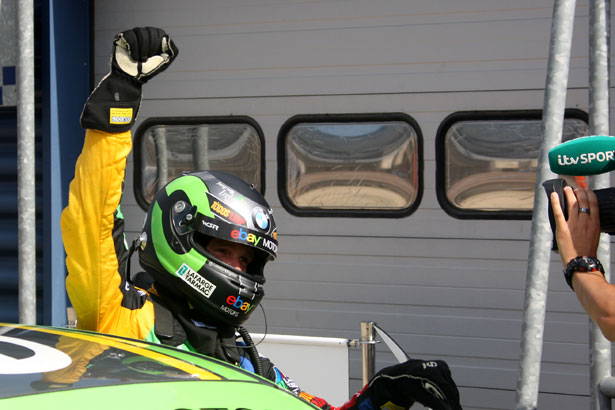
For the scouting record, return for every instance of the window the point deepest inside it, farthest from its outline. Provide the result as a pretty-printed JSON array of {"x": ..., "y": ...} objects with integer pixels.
[
  {"x": 486, "y": 162},
  {"x": 350, "y": 164},
  {"x": 167, "y": 147}
]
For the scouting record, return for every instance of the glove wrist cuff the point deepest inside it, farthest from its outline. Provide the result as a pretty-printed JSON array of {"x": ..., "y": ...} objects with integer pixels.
[{"x": 113, "y": 105}]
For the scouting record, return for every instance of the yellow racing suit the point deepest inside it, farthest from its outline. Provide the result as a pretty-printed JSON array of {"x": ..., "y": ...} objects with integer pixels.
[
  {"x": 106, "y": 301},
  {"x": 104, "y": 298}
]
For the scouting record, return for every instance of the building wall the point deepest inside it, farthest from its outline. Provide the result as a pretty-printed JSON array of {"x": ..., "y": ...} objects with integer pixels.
[{"x": 442, "y": 287}]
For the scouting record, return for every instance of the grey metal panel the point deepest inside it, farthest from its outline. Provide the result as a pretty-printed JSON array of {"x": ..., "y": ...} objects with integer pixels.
[
  {"x": 234, "y": 49},
  {"x": 443, "y": 287}
]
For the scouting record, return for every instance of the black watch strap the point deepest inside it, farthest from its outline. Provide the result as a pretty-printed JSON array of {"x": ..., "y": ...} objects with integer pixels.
[{"x": 581, "y": 264}]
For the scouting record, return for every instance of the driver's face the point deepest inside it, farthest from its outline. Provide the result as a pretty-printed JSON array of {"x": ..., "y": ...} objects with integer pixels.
[{"x": 235, "y": 254}]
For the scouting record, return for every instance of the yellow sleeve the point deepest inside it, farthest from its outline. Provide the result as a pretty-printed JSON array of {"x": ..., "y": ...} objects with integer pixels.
[{"x": 93, "y": 282}]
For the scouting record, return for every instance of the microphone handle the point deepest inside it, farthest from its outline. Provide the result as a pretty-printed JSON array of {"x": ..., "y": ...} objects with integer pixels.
[
  {"x": 606, "y": 206},
  {"x": 606, "y": 203}
]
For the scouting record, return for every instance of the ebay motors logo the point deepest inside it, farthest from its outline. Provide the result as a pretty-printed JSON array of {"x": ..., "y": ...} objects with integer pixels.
[
  {"x": 245, "y": 236},
  {"x": 238, "y": 303},
  {"x": 254, "y": 239},
  {"x": 586, "y": 158}
]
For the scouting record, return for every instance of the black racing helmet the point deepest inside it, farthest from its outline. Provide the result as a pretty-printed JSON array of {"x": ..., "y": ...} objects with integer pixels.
[{"x": 187, "y": 213}]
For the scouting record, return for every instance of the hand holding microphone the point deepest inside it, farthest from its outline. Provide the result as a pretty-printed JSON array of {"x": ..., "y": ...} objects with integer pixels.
[{"x": 584, "y": 156}]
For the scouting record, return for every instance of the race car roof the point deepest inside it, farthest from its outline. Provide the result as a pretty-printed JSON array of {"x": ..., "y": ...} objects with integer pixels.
[{"x": 34, "y": 359}]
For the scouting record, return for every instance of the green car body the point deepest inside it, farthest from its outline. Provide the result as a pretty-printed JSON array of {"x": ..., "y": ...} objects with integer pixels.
[{"x": 55, "y": 368}]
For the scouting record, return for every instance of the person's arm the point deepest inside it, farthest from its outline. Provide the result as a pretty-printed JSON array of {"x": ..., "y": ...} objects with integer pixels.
[
  {"x": 428, "y": 382},
  {"x": 88, "y": 222},
  {"x": 579, "y": 236},
  {"x": 92, "y": 226}
]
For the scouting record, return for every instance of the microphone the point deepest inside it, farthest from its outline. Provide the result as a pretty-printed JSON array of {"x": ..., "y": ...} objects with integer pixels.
[
  {"x": 584, "y": 156},
  {"x": 606, "y": 205}
]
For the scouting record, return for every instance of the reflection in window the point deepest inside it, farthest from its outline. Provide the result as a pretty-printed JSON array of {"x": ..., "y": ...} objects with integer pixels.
[
  {"x": 490, "y": 165},
  {"x": 356, "y": 166},
  {"x": 168, "y": 150}
]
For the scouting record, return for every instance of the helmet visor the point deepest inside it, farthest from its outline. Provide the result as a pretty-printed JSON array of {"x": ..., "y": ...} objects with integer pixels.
[{"x": 220, "y": 229}]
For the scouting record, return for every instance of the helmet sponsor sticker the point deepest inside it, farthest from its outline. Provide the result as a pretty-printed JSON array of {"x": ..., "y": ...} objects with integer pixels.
[
  {"x": 226, "y": 192},
  {"x": 245, "y": 236},
  {"x": 219, "y": 229},
  {"x": 223, "y": 211},
  {"x": 220, "y": 209},
  {"x": 210, "y": 225},
  {"x": 239, "y": 303},
  {"x": 261, "y": 219},
  {"x": 199, "y": 283},
  {"x": 236, "y": 218},
  {"x": 230, "y": 311},
  {"x": 255, "y": 240}
]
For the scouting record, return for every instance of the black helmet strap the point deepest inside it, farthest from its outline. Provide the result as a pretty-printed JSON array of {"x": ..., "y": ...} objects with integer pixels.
[{"x": 131, "y": 250}]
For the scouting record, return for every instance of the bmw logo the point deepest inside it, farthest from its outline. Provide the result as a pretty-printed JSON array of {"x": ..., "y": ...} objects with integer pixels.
[{"x": 261, "y": 219}]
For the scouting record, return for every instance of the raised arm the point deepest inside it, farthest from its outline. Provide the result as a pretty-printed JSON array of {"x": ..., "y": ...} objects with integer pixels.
[{"x": 92, "y": 226}]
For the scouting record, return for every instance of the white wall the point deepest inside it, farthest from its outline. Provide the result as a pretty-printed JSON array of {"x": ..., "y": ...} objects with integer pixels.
[{"x": 305, "y": 358}]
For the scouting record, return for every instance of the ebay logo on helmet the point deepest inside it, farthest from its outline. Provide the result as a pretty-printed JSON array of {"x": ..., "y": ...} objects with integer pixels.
[
  {"x": 239, "y": 303},
  {"x": 261, "y": 242},
  {"x": 245, "y": 236}
]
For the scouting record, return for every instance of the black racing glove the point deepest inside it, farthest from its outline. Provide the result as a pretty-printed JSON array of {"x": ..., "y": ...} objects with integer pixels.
[
  {"x": 428, "y": 382},
  {"x": 138, "y": 55}
]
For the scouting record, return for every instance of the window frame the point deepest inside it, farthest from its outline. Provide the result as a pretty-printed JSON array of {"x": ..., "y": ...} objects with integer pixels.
[
  {"x": 196, "y": 120},
  {"x": 445, "y": 125},
  {"x": 345, "y": 118}
]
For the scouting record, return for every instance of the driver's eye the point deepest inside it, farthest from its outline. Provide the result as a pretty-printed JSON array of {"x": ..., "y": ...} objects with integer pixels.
[{"x": 219, "y": 251}]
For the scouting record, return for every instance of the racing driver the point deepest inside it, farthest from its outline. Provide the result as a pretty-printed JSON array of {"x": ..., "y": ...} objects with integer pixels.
[{"x": 205, "y": 241}]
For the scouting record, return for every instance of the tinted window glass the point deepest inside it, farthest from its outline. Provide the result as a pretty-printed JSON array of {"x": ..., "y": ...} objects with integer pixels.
[
  {"x": 488, "y": 165},
  {"x": 352, "y": 164},
  {"x": 167, "y": 149}
]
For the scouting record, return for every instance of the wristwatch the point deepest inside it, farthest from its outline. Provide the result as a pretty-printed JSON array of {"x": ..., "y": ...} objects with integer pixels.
[{"x": 581, "y": 264}]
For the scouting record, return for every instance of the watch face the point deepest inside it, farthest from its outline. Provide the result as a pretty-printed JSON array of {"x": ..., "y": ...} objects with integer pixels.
[
  {"x": 581, "y": 264},
  {"x": 585, "y": 264}
]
